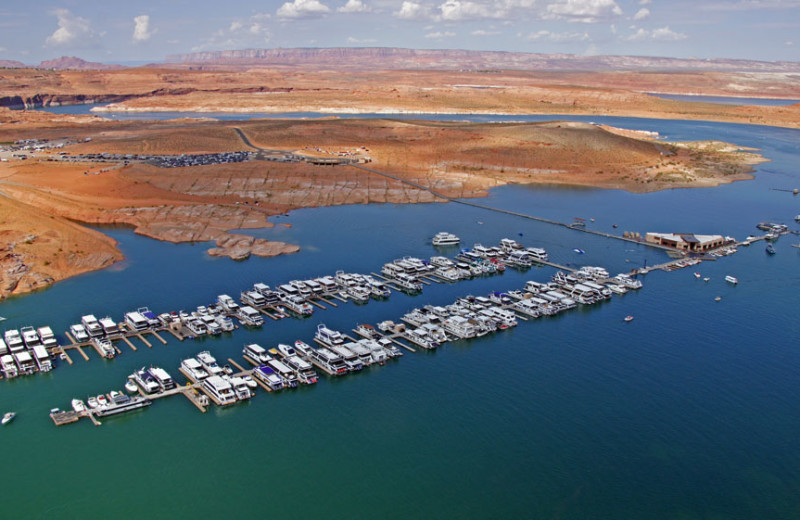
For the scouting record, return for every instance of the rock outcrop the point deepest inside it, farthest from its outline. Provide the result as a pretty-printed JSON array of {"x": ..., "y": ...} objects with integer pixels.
[{"x": 240, "y": 247}]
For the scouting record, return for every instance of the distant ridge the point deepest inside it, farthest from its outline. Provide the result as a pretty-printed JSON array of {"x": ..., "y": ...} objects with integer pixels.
[
  {"x": 399, "y": 58},
  {"x": 11, "y": 64},
  {"x": 62, "y": 63},
  {"x": 74, "y": 63}
]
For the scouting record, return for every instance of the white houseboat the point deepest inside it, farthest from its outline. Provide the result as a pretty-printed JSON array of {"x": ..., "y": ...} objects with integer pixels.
[
  {"x": 328, "y": 361},
  {"x": 328, "y": 336},
  {"x": 220, "y": 390},
  {"x": 256, "y": 354}
]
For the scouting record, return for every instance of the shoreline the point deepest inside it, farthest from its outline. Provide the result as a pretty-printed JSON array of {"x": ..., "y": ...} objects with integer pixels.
[{"x": 332, "y": 111}]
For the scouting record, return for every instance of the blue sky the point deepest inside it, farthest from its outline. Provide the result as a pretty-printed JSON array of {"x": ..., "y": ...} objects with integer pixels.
[{"x": 147, "y": 30}]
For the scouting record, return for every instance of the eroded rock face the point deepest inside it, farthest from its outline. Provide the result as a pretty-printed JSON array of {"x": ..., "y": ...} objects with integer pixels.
[{"x": 240, "y": 247}]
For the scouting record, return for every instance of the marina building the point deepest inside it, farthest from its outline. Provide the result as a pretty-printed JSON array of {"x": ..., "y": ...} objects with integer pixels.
[{"x": 686, "y": 241}]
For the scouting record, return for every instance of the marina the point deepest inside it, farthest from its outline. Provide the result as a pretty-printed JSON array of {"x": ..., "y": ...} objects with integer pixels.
[{"x": 549, "y": 388}]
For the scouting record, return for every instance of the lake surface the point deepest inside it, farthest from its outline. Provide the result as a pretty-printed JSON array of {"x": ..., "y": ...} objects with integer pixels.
[
  {"x": 724, "y": 100},
  {"x": 689, "y": 411}
]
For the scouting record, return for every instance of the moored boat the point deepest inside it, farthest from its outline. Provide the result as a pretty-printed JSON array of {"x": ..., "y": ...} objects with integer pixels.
[{"x": 130, "y": 385}]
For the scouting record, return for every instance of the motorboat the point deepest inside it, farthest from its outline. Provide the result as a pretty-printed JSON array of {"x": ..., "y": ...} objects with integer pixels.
[
  {"x": 78, "y": 405},
  {"x": 628, "y": 318},
  {"x": 286, "y": 350},
  {"x": 304, "y": 350},
  {"x": 8, "y": 417},
  {"x": 731, "y": 279},
  {"x": 130, "y": 385},
  {"x": 770, "y": 250}
]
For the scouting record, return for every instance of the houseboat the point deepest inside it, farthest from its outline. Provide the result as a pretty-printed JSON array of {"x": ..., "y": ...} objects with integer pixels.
[
  {"x": 193, "y": 370},
  {"x": 220, "y": 390},
  {"x": 351, "y": 360},
  {"x": 305, "y": 372},
  {"x": 443, "y": 238},
  {"x": 419, "y": 337},
  {"x": 9, "y": 367},
  {"x": 209, "y": 363},
  {"x": 105, "y": 346},
  {"x": 47, "y": 337},
  {"x": 110, "y": 327},
  {"x": 227, "y": 303},
  {"x": 30, "y": 337},
  {"x": 117, "y": 403},
  {"x": 241, "y": 389},
  {"x": 296, "y": 304},
  {"x": 460, "y": 327},
  {"x": 256, "y": 354},
  {"x": 144, "y": 378},
  {"x": 92, "y": 326},
  {"x": 162, "y": 377},
  {"x": 287, "y": 374},
  {"x": 268, "y": 377},
  {"x": 14, "y": 341},
  {"x": 249, "y": 316},
  {"x": 25, "y": 362},
  {"x": 42, "y": 358},
  {"x": 254, "y": 299},
  {"x": 328, "y": 336},
  {"x": 328, "y": 361},
  {"x": 79, "y": 333},
  {"x": 136, "y": 322}
]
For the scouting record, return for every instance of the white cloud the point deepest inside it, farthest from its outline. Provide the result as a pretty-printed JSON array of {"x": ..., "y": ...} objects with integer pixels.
[
  {"x": 354, "y": 6},
  {"x": 484, "y": 32},
  {"x": 453, "y": 10},
  {"x": 564, "y": 37},
  {"x": 641, "y": 14},
  {"x": 70, "y": 28},
  {"x": 414, "y": 11},
  {"x": 667, "y": 34},
  {"x": 351, "y": 39},
  {"x": 748, "y": 5},
  {"x": 141, "y": 29},
  {"x": 788, "y": 43},
  {"x": 242, "y": 33},
  {"x": 638, "y": 36},
  {"x": 439, "y": 35},
  {"x": 645, "y": 2},
  {"x": 587, "y": 11},
  {"x": 662, "y": 34},
  {"x": 303, "y": 9}
]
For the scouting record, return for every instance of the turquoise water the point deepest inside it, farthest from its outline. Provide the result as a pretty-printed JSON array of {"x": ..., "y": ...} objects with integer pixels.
[{"x": 689, "y": 411}]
